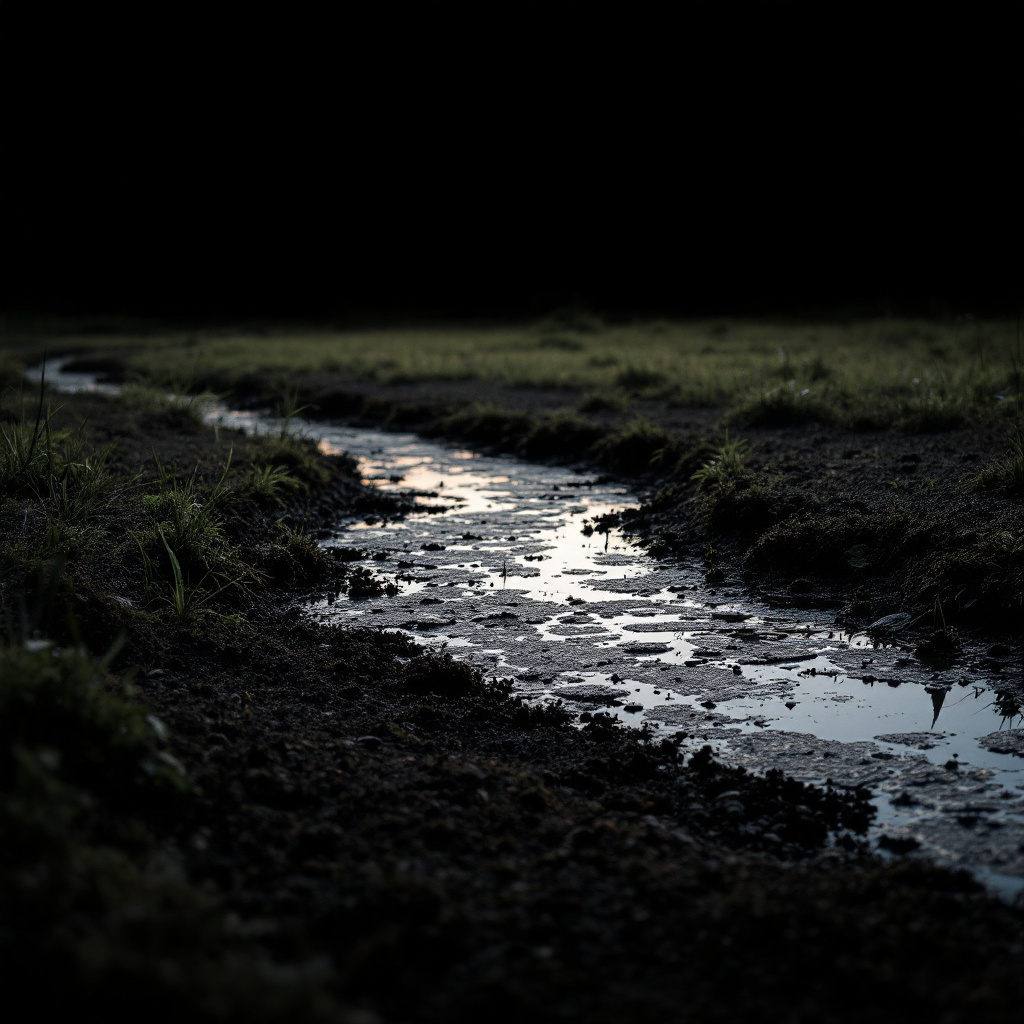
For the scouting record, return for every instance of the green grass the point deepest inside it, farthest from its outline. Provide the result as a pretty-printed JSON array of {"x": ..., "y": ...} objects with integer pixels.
[
  {"x": 637, "y": 446},
  {"x": 1006, "y": 473},
  {"x": 74, "y": 501},
  {"x": 183, "y": 596},
  {"x": 268, "y": 483},
  {"x": 68, "y": 486},
  {"x": 175, "y": 402},
  {"x": 67, "y": 502},
  {"x": 728, "y": 463},
  {"x": 285, "y": 462},
  {"x": 187, "y": 521},
  {"x": 186, "y": 556},
  {"x": 918, "y": 373}
]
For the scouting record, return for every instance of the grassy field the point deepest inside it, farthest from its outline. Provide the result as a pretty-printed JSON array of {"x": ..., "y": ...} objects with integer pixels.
[{"x": 932, "y": 373}]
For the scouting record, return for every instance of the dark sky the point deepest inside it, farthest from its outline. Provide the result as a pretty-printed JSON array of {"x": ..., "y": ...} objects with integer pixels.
[
  {"x": 208, "y": 241},
  {"x": 257, "y": 201}
]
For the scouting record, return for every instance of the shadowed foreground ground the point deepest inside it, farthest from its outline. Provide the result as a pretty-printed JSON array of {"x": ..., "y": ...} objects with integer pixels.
[{"x": 326, "y": 824}]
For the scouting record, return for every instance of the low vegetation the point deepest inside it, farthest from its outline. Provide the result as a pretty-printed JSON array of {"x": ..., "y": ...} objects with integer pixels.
[
  {"x": 866, "y": 373},
  {"x": 1006, "y": 473},
  {"x": 96, "y": 531},
  {"x": 702, "y": 410}
]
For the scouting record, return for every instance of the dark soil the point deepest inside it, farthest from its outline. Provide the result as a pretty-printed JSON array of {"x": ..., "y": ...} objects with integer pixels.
[
  {"x": 368, "y": 832},
  {"x": 874, "y": 520}
]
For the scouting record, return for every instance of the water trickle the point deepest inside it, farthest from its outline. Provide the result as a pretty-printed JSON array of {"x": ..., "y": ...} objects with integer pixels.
[{"x": 514, "y": 567}]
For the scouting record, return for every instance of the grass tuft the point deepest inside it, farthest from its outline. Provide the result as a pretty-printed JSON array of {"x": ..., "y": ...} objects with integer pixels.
[
  {"x": 1006, "y": 473},
  {"x": 185, "y": 554},
  {"x": 639, "y": 446},
  {"x": 728, "y": 463},
  {"x": 287, "y": 462},
  {"x": 637, "y": 378},
  {"x": 268, "y": 484},
  {"x": 785, "y": 405}
]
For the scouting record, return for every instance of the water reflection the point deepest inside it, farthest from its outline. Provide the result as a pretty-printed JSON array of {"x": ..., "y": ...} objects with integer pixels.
[
  {"x": 938, "y": 694},
  {"x": 524, "y": 570}
]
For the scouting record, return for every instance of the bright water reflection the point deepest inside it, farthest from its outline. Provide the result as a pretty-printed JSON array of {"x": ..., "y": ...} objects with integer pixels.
[{"x": 504, "y": 567}]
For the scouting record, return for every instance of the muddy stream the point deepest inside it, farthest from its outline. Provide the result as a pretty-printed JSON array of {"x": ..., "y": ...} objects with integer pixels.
[{"x": 509, "y": 566}]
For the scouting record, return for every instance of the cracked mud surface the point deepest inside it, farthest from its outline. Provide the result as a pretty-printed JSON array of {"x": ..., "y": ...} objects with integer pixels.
[
  {"x": 395, "y": 836},
  {"x": 508, "y": 579}
]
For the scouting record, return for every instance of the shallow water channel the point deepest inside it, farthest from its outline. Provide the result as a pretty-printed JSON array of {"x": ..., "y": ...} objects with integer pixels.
[{"x": 504, "y": 568}]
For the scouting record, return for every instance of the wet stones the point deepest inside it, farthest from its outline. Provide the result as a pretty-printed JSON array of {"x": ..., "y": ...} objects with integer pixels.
[
  {"x": 898, "y": 844},
  {"x": 729, "y": 803},
  {"x": 636, "y": 630},
  {"x": 1006, "y": 741},
  {"x": 578, "y": 630},
  {"x": 669, "y": 626},
  {"x": 592, "y": 693},
  {"x": 894, "y": 623},
  {"x": 730, "y": 616},
  {"x": 920, "y": 740},
  {"x": 645, "y": 647},
  {"x": 809, "y": 758},
  {"x": 684, "y": 715},
  {"x": 427, "y": 621}
]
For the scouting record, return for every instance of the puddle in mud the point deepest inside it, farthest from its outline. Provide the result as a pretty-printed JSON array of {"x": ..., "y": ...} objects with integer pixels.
[{"x": 505, "y": 567}]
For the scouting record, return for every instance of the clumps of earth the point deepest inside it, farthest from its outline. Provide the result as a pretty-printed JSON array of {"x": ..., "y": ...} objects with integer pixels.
[{"x": 327, "y": 823}]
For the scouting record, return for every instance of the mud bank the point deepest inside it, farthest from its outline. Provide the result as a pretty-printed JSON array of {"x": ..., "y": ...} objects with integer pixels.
[
  {"x": 520, "y": 570},
  {"x": 524, "y": 571},
  {"x": 360, "y": 830},
  {"x": 874, "y": 517}
]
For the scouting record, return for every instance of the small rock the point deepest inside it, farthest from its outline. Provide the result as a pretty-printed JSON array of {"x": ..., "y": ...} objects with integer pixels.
[
  {"x": 898, "y": 844},
  {"x": 891, "y": 623}
]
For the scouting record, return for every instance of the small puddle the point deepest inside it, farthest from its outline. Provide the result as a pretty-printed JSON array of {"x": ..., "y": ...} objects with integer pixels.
[{"x": 509, "y": 565}]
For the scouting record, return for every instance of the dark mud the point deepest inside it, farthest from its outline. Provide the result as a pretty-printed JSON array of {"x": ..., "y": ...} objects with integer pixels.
[
  {"x": 871, "y": 521},
  {"x": 371, "y": 832},
  {"x": 877, "y": 519}
]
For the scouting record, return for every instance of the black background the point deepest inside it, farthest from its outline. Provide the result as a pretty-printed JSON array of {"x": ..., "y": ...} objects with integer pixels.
[{"x": 304, "y": 183}]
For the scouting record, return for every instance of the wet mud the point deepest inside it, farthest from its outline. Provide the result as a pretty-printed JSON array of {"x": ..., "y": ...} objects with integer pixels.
[
  {"x": 508, "y": 573},
  {"x": 426, "y": 804}
]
